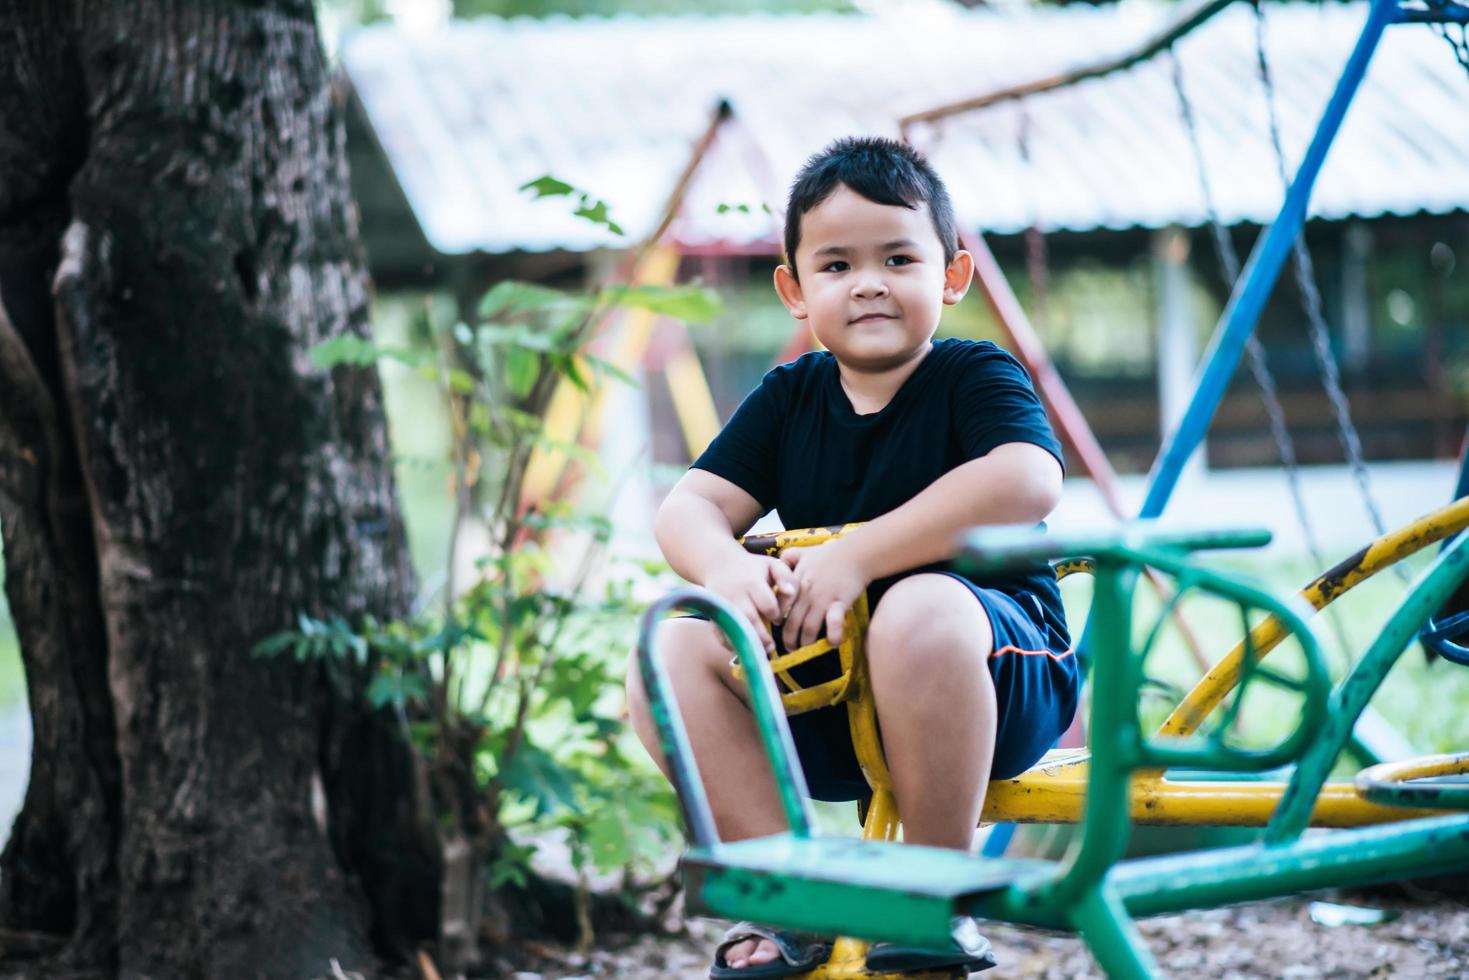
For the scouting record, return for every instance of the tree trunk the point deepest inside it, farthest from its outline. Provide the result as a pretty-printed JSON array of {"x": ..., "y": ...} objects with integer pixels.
[{"x": 176, "y": 482}]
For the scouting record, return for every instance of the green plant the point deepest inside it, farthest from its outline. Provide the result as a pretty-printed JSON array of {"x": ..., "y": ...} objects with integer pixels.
[{"x": 508, "y": 687}]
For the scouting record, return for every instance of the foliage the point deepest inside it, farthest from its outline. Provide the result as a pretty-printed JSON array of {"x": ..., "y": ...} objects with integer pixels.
[{"x": 508, "y": 687}]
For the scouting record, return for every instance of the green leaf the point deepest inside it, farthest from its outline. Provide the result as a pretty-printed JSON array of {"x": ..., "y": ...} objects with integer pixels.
[
  {"x": 395, "y": 689},
  {"x": 516, "y": 336},
  {"x": 602, "y": 367},
  {"x": 359, "y": 351},
  {"x": 536, "y": 775},
  {"x": 512, "y": 296},
  {"x": 480, "y": 419},
  {"x": 588, "y": 206},
  {"x": 597, "y": 523},
  {"x": 275, "y": 644},
  {"x": 461, "y": 382},
  {"x": 597, "y": 213},
  {"x": 547, "y": 186},
  {"x": 690, "y": 303},
  {"x": 522, "y": 367},
  {"x": 345, "y": 349},
  {"x": 384, "y": 689},
  {"x": 608, "y": 839},
  {"x": 567, "y": 367},
  {"x": 511, "y": 865}
]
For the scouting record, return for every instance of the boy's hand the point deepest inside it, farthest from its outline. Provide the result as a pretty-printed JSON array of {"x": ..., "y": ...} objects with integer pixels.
[
  {"x": 829, "y": 580},
  {"x": 761, "y": 588}
]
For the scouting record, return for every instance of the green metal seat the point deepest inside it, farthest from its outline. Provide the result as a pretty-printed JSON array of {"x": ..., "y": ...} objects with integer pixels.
[{"x": 875, "y": 889}]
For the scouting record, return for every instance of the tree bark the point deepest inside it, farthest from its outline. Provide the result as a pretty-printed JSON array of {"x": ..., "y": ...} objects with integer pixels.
[{"x": 176, "y": 482}]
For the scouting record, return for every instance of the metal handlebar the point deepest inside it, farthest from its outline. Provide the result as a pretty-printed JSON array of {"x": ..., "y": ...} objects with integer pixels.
[
  {"x": 996, "y": 548},
  {"x": 770, "y": 718}
]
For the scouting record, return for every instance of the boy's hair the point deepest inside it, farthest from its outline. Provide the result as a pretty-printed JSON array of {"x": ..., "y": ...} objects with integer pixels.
[{"x": 884, "y": 171}]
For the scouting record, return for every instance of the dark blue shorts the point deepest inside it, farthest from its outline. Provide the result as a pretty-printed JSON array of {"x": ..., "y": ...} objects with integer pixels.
[{"x": 1037, "y": 687}]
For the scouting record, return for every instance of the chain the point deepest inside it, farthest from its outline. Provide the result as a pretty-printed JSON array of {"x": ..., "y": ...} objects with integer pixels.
[
  {"x": 1459, "y": 45},
  {"x": 1311, "y": 299},
  {"x": 1229, "y": 268}
]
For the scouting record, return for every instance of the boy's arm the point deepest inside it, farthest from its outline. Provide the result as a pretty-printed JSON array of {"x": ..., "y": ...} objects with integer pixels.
[
  {"x": 1014, "y": 483},
  {"x": 697, "y": 526}
]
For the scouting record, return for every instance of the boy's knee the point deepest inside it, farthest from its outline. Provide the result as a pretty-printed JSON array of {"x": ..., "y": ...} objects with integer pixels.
[{"x": 929, "y": 623}]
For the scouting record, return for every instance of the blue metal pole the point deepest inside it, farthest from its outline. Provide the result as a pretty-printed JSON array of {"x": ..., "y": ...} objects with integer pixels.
[{"x": 1260, "y": 273}]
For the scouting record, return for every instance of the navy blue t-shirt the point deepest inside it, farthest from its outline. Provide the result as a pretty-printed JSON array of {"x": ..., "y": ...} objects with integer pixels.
[{"x": 796, "y": 445}]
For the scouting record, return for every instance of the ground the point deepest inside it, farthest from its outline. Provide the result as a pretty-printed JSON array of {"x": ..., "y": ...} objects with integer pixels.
[{"x": 1277, "y": 939}]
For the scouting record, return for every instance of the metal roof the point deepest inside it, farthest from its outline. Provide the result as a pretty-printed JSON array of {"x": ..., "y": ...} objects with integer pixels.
[{"x": 468, "y": 114}]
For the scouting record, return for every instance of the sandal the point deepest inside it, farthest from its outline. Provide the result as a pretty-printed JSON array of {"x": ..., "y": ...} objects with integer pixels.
[
  {"x": 799, "y": 952},
  {"x": 970, "y": 950}
]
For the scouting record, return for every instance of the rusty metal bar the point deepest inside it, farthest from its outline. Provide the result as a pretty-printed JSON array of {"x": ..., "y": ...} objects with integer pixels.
[{"x": 1107, "y": 66}]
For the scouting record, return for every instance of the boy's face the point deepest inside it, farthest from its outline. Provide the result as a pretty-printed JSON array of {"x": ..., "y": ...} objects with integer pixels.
[{"x": 873, "y": 280}]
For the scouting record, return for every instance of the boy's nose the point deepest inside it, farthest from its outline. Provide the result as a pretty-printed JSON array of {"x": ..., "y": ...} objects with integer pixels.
[{"x": 869, "y": 286}]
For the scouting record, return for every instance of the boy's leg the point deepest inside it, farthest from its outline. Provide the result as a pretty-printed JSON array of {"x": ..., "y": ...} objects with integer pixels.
[
  {"x": 732, "y": 765},
  {"x": 928, "y": 648},
  {"x": 736, "y": 776}
]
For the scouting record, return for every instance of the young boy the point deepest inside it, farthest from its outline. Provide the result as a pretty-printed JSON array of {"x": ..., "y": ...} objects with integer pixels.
[{"x": 921, "y": 439}]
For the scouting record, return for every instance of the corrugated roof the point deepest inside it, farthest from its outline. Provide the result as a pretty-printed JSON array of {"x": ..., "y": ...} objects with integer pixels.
[{"x": 469, "y": 114}]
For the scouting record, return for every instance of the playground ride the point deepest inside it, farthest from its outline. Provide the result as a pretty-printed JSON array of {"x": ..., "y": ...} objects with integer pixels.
[
  {"x": 1393, "y": 820},
  {"x": 1396, "y": 819}
]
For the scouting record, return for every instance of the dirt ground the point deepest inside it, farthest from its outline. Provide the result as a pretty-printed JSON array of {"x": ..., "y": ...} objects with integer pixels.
[{"x": 1429, "y": 938}]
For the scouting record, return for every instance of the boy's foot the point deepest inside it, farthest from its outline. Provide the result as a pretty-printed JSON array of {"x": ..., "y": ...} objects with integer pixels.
[
  {"x": 969, "y": 950},
  {"x": 750, "y": 951}
]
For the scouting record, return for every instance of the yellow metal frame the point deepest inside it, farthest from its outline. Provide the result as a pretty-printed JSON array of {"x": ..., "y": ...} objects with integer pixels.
[
  {"x": 1386, "y": 551},
  {"x": 1423, "y": 767},
  {"x": 1053, "y": 791}
]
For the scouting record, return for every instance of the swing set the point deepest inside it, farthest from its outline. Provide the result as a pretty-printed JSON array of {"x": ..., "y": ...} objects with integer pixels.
[{"x": 1394, "y": 820}]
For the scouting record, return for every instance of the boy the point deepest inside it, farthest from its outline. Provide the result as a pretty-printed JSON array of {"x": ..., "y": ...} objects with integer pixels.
[{"x": 921, "y": 439}]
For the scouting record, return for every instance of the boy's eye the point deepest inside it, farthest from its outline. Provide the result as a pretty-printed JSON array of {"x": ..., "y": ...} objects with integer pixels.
[
  {"x": 836, "y": 265},
  {"x": 900, "y": 260}
]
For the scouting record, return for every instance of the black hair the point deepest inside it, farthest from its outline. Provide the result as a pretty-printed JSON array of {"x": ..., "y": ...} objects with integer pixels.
[{"x": 884, "y": 171}]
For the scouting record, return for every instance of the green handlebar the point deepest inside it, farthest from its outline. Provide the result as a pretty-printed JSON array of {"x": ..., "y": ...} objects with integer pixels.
[{"x": 994, "y": 548}]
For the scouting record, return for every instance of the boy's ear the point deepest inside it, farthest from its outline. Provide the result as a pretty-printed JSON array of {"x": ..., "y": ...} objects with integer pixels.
[
  {"x": 958, "y": 276},
  {"x": 789, "y": 290}
]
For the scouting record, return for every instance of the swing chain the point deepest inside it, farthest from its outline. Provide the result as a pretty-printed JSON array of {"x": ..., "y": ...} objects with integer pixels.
[
  {"x": 1259, "y": 368},
  {"x": 1449, "y": 26},
  {"x": 1229, "y": 268},
  {"x": 1311, "y": 298}
]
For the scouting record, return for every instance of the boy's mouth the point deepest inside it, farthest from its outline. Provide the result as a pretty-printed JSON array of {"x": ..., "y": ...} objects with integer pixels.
[{"x": 871, "y": 317}]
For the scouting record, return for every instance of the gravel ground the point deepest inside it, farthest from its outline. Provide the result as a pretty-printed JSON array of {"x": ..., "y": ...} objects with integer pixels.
[{"x": 1279, "y": 939}]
